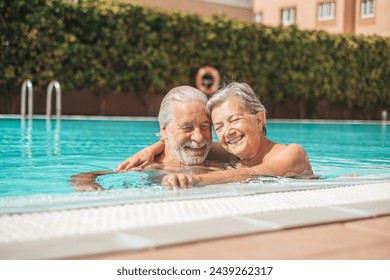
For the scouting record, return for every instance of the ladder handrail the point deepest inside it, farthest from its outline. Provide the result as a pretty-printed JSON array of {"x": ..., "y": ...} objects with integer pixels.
[
  {"x": 26, "y": 85},
  {"x": 56, "y": 85}
]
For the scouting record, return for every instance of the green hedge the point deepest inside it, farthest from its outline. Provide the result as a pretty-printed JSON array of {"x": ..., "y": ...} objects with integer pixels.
[{"x": 115, "y": 46}]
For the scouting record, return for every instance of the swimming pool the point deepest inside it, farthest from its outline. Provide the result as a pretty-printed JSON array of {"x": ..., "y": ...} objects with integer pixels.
[
  {"x": 39, "y": 219},
  {"x": 38, "y": 157}
]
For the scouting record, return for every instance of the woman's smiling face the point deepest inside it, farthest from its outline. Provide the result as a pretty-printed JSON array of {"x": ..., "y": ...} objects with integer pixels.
[{"x": 239, "y": 132}]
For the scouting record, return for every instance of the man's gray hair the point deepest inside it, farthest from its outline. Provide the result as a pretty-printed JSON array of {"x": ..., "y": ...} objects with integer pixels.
[
  {"x": 181, "y": 94},
  {"x": 243, "y": 92}
]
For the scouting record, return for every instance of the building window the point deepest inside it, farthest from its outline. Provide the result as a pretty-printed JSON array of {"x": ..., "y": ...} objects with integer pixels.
[
  {"x": 326, "y": 11},
  {"x": 288, "y": 16},
  {"x": 257, "y": 17},
  {"x": 367, "y": 8}
]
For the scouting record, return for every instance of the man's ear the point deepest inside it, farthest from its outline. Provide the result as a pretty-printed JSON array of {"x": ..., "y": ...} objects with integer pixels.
[{"x": 163, "y": 133}]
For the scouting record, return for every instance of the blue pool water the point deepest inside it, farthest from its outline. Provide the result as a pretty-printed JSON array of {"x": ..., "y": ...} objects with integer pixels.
[{"x": 38, "y": 157}]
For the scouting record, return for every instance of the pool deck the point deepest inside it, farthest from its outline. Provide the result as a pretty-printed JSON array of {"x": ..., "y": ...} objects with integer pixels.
[{"x": 365, "y": 239}]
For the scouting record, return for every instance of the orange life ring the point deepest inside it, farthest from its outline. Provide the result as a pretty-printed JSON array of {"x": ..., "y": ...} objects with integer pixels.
[{"x": 207, "y": 79}]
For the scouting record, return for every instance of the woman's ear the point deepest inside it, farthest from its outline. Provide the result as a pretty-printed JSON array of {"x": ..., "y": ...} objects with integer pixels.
[
  {"x": 260, "y": 119},
  {"x": 261, "y": 122}
]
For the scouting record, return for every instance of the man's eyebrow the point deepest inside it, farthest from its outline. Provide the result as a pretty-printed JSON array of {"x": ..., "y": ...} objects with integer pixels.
[{"x": 185, "y": 124}]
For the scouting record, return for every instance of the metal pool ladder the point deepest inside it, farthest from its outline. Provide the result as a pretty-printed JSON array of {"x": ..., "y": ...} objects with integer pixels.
[
  {"x": 27, "y": 85},
  {"x": 56, "y": 86}
]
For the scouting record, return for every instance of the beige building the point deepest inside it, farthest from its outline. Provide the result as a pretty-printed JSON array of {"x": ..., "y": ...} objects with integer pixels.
[
  {"x": 238, "y": 9},
  {"x": 335, "y": 16}
]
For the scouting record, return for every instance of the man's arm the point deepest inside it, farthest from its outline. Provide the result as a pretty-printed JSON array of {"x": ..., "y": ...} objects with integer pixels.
[{"x": 85, "y": 182}]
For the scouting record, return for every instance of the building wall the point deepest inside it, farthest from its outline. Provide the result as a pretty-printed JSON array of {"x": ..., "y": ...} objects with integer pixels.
[
  {"x": 336, "y": 25},
  {"x": 379, "y": 24},
  {"x": 348, "y": 19},
  {"x": 204, "y": 7},
  {"x": 349, "y": 16},
  {"x": 306, "y": 14},
  {"x": 271, "y": 10}
]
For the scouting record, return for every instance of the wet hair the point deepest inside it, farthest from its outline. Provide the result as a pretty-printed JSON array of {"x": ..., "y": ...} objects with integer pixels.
[
  {"x": 181, "y": 94},
  {"x": 244, "y": 93}
]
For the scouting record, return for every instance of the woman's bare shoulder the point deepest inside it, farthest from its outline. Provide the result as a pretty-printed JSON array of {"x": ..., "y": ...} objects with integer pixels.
[
  {"x": 294, "y": 149},
  {"x": 292, "y": 154}
]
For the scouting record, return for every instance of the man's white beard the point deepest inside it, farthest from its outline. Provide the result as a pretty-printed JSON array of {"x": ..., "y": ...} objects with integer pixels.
[{"x": 186, "y": 156}]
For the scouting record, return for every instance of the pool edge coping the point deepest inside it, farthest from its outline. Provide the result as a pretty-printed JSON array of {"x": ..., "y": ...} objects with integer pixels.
[{"x": 135, "y": 239}]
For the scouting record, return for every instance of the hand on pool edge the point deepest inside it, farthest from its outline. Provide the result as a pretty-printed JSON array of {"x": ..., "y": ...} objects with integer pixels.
[{"x": 177, "y": 181}]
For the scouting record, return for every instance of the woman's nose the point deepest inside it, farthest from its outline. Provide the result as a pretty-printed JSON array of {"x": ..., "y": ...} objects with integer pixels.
[{"x": 228, "y": 130}]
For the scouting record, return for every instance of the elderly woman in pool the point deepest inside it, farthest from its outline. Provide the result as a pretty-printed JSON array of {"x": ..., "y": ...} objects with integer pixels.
[{"x": 239, "y": 121}]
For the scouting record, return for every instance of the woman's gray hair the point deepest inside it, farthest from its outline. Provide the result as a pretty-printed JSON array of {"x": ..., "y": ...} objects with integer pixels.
[
  {"x": 181, "y": 94},
  {"x": 244, "y": 93}
]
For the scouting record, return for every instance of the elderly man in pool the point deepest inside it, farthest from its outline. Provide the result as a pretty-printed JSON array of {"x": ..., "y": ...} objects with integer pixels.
[
  {"x": 185, "y": 132},
  {"x": 239, "y": 122}
]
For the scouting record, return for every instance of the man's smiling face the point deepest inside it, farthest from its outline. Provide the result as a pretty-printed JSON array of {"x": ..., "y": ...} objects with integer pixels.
[{"x": 188, "y": 135}]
